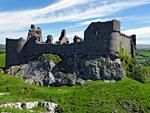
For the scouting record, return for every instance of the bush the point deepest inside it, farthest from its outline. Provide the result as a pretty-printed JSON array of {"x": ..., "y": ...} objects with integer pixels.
[{"x": 132, "y": 68}]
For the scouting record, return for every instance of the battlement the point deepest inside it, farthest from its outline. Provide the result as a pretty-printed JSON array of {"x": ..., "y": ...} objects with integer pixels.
[{"x": 100, "y": 39}]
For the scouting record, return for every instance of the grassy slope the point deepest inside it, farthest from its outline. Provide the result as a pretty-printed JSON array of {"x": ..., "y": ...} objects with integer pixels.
[
  {"x": 2, "y": 60},
  {"x": 95, "y": 96}
]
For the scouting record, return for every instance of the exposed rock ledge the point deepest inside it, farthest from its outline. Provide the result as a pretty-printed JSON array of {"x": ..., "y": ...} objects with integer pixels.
[
  {"x": 29, "y": 105},
  {"x": 71, "y": 70}
]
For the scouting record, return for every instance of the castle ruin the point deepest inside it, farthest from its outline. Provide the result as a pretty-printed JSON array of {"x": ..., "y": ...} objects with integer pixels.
[{"x": 100, "y": 39}]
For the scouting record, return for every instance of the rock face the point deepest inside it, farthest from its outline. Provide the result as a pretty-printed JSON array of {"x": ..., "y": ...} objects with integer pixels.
[{"x": 71, "y": 70}]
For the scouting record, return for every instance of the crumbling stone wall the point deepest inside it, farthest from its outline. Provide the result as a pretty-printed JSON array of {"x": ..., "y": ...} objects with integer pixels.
[
  {"x": 100, "y": 39},
  {"x": 36, "y": 33},
  {"x": 13, "y": 48}
]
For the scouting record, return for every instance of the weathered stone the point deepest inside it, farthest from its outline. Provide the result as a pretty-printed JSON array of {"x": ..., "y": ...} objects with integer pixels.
[
  {"x": 35, "y": 33},
  {"x": 75, "y": 71},
  {"x": 63, "y": 39},
  {"x": 77, "y": 39},
  {"x": 49, "y": 39},
  {"x": 96, "y": 69},
  {"x": 100, "y": 39},
  {"x": 33, "y": 26},
  {"x": 29, "y": 105}
]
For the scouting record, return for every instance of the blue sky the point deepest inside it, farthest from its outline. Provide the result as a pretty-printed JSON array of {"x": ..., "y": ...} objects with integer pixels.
[{"x": 52, "y": 16}]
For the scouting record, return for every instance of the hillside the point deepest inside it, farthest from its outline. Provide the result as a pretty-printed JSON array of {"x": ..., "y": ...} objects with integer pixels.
[
  {"x": 123, "y": 96},
  {"x": 2, "y": 47},
  {"x": 143, "y": 56},
  {"x": 142, "y": 46}
]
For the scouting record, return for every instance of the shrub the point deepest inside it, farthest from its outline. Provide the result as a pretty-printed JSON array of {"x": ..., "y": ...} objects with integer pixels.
[{"x": 132, "y": 68}]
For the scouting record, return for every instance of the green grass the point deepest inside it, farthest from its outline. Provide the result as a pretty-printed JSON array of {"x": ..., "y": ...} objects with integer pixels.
[
  {"x": 2, "y": 60},
  {"x": 147, "y": 54},
  {"x": 39, "y": 108},
  {"x": 53, "y": 57},
  {"x": 147, "y": 68},
  {"x": 92, "y": 97}
]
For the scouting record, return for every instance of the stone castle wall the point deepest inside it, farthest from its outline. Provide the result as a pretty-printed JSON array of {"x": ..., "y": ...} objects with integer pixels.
[
  {"x": 13, "y": 48},
  {"x": 100, "y": 39}
]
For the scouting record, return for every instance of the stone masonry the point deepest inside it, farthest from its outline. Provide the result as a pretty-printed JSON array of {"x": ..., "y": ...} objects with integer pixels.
[{"x": 100, "y": 39}]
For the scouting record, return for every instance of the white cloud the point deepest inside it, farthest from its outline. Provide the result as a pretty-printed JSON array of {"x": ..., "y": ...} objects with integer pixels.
[
  {"x": 13, "y": 35},
  {"x": 143, "y": 32},
  {"x": 63, "y": 10},
  {"x": 19, "y": 20},
  {"x": 95, "y": 20},
  {"x": 109, "y": 9}
]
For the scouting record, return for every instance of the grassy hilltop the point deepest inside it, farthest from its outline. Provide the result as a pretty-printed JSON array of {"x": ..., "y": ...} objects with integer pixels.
[{"x": 123, "y": 96}]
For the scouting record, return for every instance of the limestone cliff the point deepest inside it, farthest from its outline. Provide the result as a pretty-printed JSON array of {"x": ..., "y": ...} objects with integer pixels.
[{"x": 71, "y": 70}]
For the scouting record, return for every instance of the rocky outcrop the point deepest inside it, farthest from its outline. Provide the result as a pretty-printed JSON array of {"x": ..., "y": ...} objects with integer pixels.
[
  {"x": 29, "y": 105},
  {"x": 71, "y": 70},
  {"x": 90, "y": 68}
]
